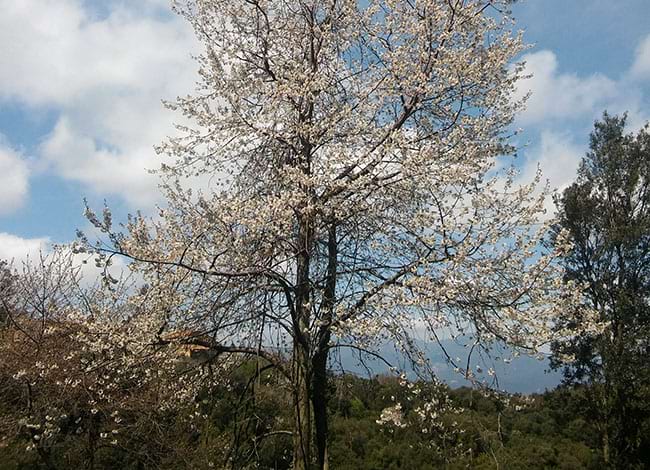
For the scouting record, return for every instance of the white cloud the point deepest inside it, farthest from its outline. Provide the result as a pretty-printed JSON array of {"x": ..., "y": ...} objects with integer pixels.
[
  {"x": 77, "y": 156},
  {"x": 57, "y": 53},
  {"x": 558, "y": 157},
  {"x": 18, "y": 249},
  {"x": 14, "y": 179},
  {"x": 105, "y": 76},
  {"x": 561, "y": 100},
  {"x": 558, "y": 95},
  {"x": 641, "y": 67},
  {"x": 90, "y": 274}
]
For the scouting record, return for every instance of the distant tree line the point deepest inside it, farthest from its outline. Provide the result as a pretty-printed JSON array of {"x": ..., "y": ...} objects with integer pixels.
[{"x": 233, "y": 428}]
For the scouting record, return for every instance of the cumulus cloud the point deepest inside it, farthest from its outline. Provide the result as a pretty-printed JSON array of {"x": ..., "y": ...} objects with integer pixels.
[
  {"x": 14, "y": 179},
  {"x": 61, "y": 53},
  {"x": 105, "y": 76},
  {"x": 641, "y": 67},
  {"x": 559, "y": 101},
  {"x": 557, "y": 95},
  {"x": 90, "y": 274},
  {"x": 558, "y": 157},
  {"x": 77, "y": 156},
  {"x": 17, "y": 249},
  {"x": 556, "y": 98}
]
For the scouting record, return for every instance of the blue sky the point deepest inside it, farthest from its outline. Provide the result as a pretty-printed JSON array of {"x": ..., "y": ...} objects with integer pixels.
[{"x": 81, "y": 83}]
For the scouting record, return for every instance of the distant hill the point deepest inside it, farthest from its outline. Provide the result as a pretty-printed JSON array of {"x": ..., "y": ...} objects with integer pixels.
[{"x": 523, "y": 374}]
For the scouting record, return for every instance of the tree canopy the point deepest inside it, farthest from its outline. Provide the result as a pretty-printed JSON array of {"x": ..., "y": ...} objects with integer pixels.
[{"x": 350, "y": 194}]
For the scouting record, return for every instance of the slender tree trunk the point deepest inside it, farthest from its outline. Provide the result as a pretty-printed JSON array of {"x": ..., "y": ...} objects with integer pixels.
[
  {"x": 605, "y": 411},
  {"x": 301, "y": 368},
  {"x": 302, "y": 429},
  {"x": 319, "y": 398},
  {"x": 93, "y": 437},
  {"x": 322, "y": 351},
  {"x": 605, "y": 439},
  {"x": 46, "y": 458}
]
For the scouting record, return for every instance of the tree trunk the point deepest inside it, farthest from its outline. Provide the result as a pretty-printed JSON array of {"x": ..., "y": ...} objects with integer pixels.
[
  {"x": 93, "y": 437},
  {"x": 319, "y": 397},
  {"x": 301, "y": 367},
  {"x": 322, "y": 350},
  {"x": 603, "y": 397},
  {"x": 605, "y": 439},
  {"x": 302, "y": 430}
]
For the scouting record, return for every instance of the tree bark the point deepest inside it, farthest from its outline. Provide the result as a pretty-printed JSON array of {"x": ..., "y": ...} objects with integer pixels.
[
  {"x": 302, "y": 429},
  {"x": 301, "y": 367},
  {"x": 320, "y": 409},
  {"x": 605, "y": 440},
  {"x": 322, "y": 351}
]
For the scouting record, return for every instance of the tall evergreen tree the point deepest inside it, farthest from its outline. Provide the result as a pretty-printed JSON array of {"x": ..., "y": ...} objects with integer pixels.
[{"x": 606, "y": 213}]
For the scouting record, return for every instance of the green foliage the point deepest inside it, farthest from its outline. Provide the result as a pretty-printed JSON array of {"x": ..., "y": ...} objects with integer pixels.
[
  {"x": 606, "y": 214},
  {"x": 239, "y": 426}
]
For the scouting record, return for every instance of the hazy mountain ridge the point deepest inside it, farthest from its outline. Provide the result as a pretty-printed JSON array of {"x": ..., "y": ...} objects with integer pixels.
[{"x": 521, "y": 374}]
